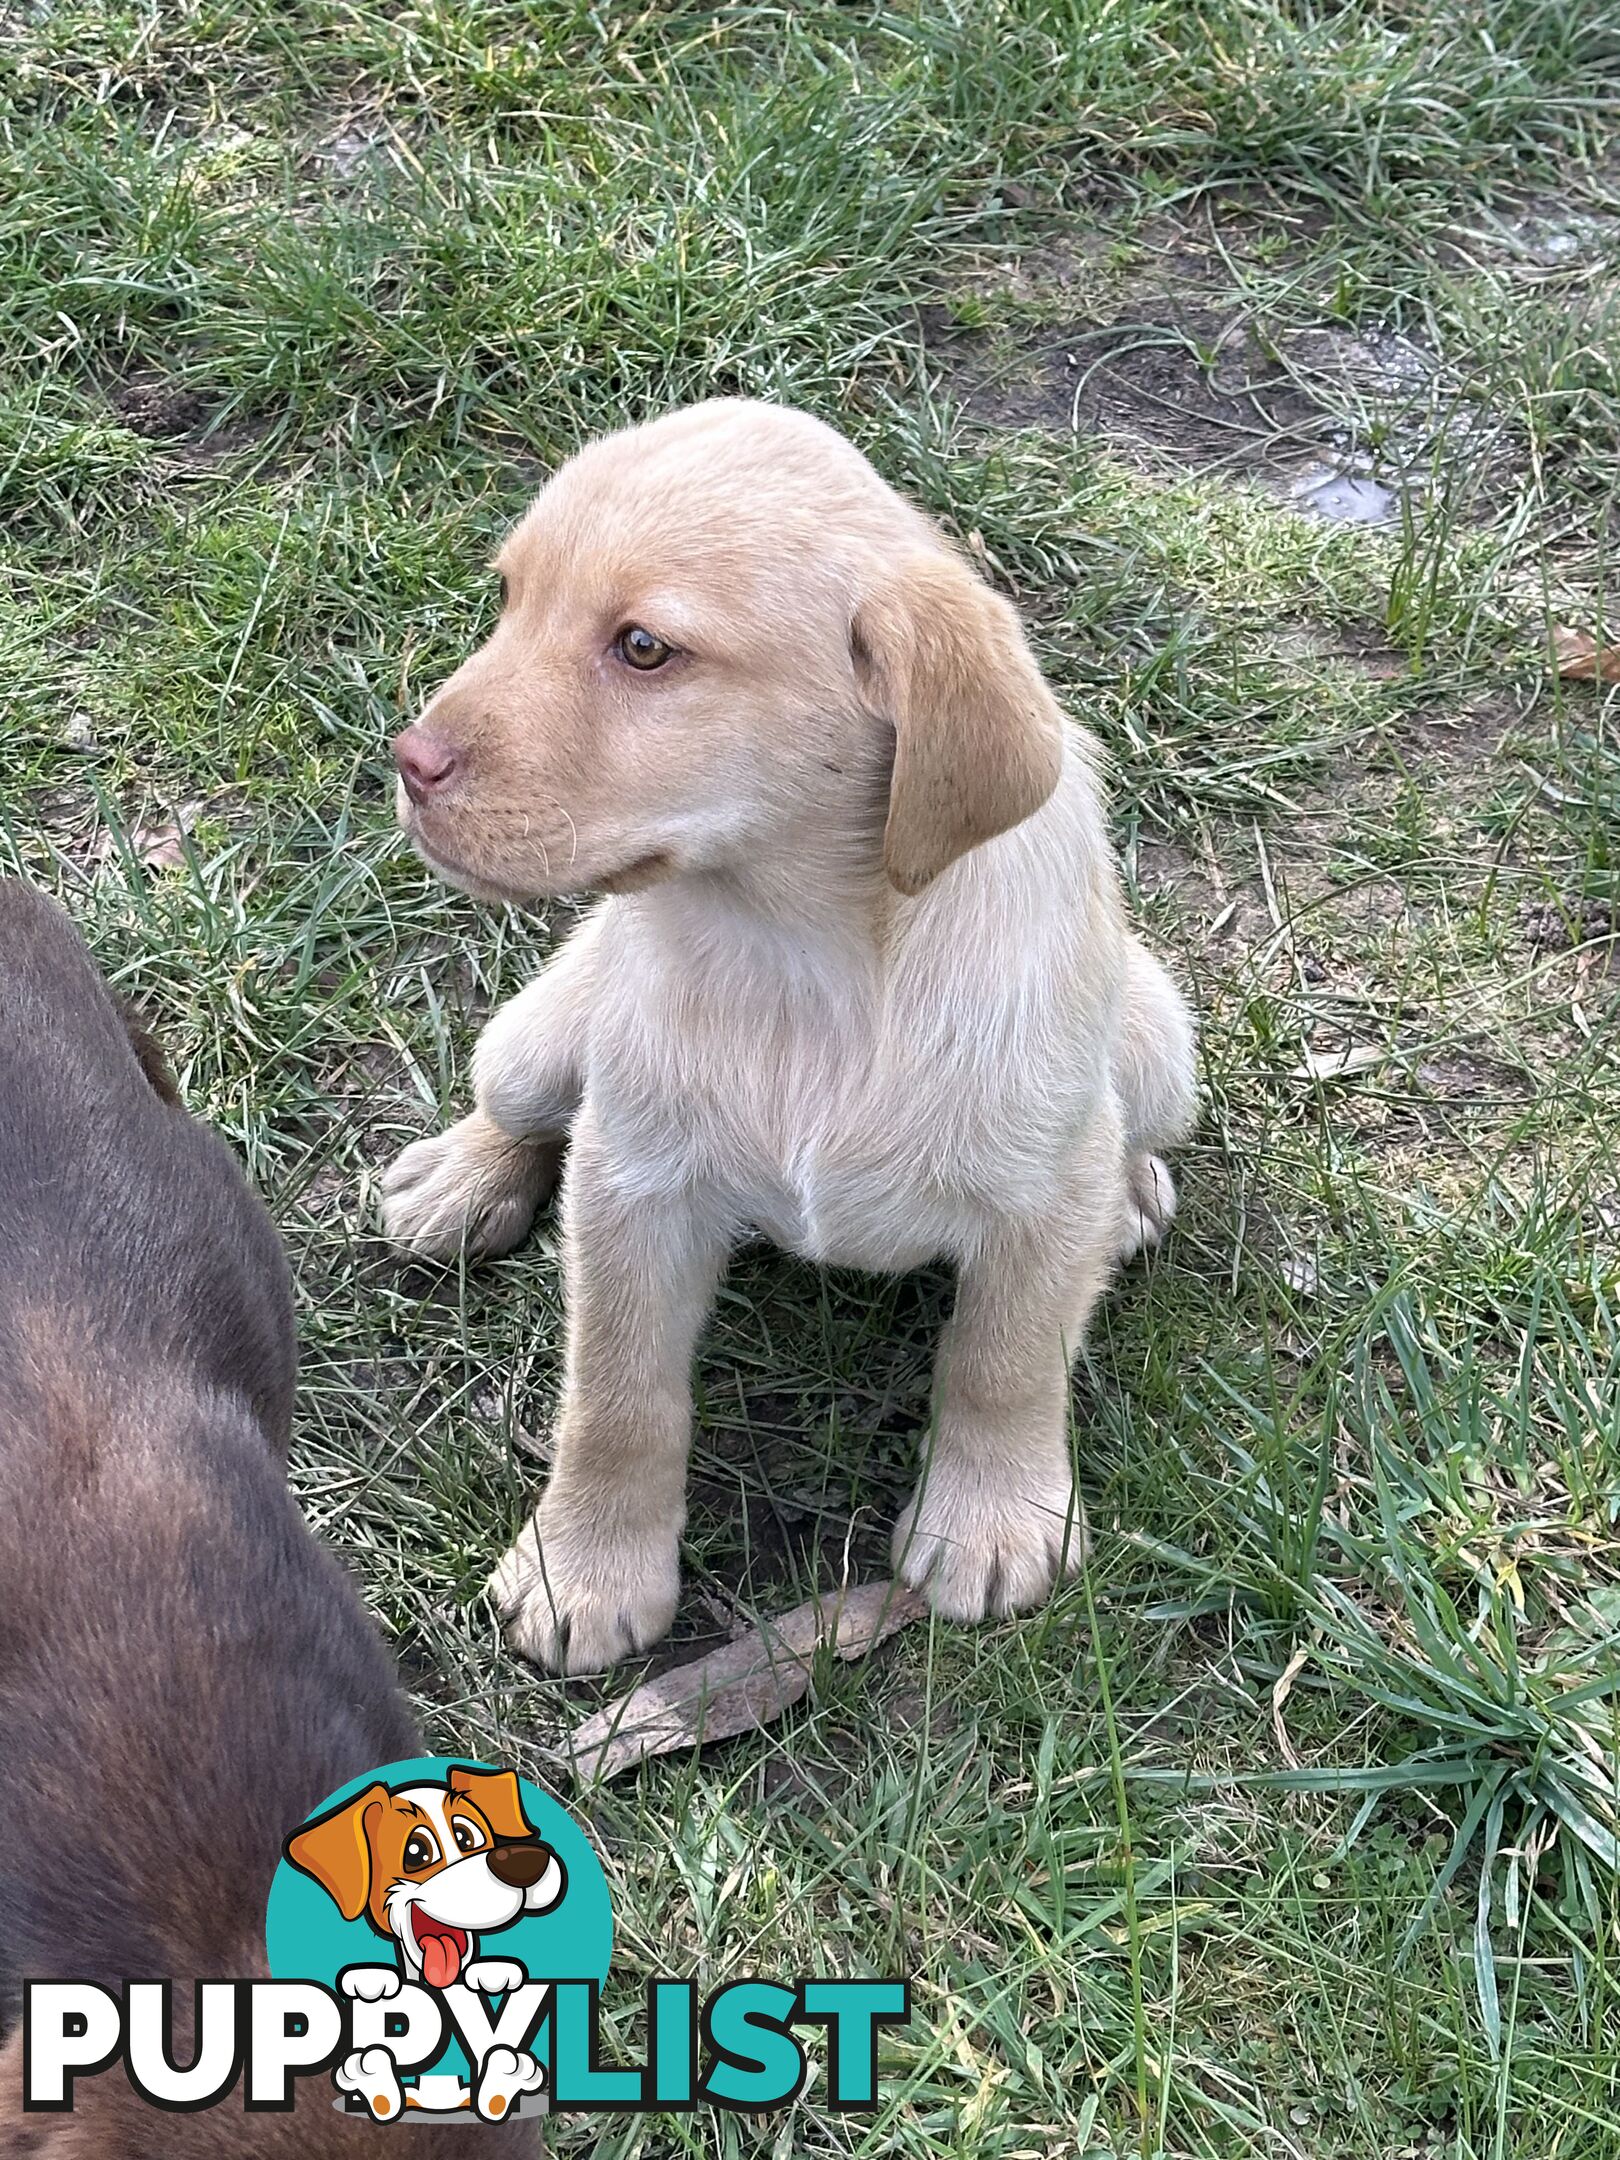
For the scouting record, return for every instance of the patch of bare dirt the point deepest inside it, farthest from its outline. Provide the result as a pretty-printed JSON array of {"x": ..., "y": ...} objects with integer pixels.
[
  {"x": 351, "y": 139},
  {"x": 799, "y": 1519},
  {"x": 163, "y": 411},
  {"x": 1543, "y": 235},
  {"x": 1349, "y": 646},
  {"x": 153, "y": 406},
  {"x": 1176, "y": 385},
  {"x": 1464, "y": 739},
  {"x": 1342, "y": 422},
  {"x": 1176, "y": 366},
  {"x": 1159, "y": 866},
  {"x": 1460, "y": 1076},
  {"x": 1570, "y": 925}
]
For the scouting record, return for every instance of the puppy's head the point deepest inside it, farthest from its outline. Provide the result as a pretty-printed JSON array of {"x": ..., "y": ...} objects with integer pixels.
[
  {"x": 431, "y": 1866},
  {"x": 722, "y": 636}
]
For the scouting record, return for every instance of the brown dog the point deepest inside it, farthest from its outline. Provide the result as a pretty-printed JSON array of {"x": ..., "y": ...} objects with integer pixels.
[{"x": 184, "y": 1673}]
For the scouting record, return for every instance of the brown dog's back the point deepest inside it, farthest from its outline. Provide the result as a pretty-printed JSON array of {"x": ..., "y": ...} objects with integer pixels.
[
  {"x": 127, "y": 1232},
  {"x": 184, "y": 1673}
]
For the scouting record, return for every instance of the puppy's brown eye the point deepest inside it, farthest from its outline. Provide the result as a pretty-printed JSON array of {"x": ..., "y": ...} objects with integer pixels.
[
  {"x": 421, "y": 1851},
  {"x": 638, "y": 648},
  {"x": 469, "y": 1838}
]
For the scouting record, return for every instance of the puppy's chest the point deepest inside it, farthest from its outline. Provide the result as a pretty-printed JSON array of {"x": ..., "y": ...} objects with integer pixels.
[{"x": 824, "y": 1130}]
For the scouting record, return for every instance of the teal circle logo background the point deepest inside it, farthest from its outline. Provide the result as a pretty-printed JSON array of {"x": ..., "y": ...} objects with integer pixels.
[{"x": 307, "y": 1938}]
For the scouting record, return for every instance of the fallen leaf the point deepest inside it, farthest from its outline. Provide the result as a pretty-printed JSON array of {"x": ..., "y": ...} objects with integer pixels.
[
  {"x": 1579, "y": 657},
  {"x": 158, "y": 847},
  {"x": 1223, "y": 918},
  {"x": 744, "y": 1684},
  {"x": 1279, "y": 1697},
  {"x": 1338, "y": 1064}
]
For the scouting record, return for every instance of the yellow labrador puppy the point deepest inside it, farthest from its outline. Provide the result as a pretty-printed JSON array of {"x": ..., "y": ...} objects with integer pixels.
[{"x": 861, "y": 983}]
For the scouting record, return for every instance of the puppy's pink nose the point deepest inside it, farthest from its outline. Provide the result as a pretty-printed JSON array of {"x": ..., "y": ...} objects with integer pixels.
[{"x": 425, "y": 761}]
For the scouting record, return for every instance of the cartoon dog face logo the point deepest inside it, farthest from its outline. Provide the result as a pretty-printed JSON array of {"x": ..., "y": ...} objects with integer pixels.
[{"x": 433, "y": 1867}]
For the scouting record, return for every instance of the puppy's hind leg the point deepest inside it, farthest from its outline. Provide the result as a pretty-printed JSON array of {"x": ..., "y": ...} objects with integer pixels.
[
  {"x": 1156, "y": 1078},
  {"x": 476, "y": 1187},
  {"x": 995, "y": 1519}
]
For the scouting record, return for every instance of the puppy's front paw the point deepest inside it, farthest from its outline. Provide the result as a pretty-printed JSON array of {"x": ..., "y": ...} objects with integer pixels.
[
  {"x": 577, "y": 1597},
  {"x": 493, "y": 1976},
  {"x": 979, "y": 1547},
  {"x": 473, "y": 1189},
  {"x": 369, "y": 2074},
  {"x": 369, "y": 1983},
  {"x": 1150, "y": 1204}
]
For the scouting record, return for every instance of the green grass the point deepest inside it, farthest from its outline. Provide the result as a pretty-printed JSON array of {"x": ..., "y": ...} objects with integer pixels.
[{"x": 1291, "y": 1828}]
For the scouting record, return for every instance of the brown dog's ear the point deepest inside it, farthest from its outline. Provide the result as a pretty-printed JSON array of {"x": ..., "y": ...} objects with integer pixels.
[
  {"x": 336, "y": 1850},
  {"x": 978, "y": 738},
  {"x": 497, "y": 1797},
  {"x": 148, "y": 1052}
]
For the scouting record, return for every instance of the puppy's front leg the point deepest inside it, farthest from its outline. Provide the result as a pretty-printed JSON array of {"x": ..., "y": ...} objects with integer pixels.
[
  {"x": 995, "y": 1517},
  {"x": 475, "y": 1188},
  {"x": 596, "y": 1573}
]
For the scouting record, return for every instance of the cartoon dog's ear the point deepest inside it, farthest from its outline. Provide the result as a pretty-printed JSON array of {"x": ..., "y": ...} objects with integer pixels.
[
  {"x": 497, "y": 1797},
  {"x": 336, "y": 1850},
  {"x": 978, "y": 738}
]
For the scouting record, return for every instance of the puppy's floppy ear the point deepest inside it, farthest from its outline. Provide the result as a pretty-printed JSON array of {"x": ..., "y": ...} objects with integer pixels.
[
  {"x": 336, "y": 1850},
  {"x": 978, "y": 738},
  {"x": 497, "y": 1797}
]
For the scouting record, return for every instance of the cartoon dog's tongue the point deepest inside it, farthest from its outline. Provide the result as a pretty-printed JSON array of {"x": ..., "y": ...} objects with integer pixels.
[{"x": 443, "y": 1947}]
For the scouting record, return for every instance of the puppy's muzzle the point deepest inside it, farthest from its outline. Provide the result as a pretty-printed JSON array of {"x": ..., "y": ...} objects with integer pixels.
[{"x": 519, "y": 1864}]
